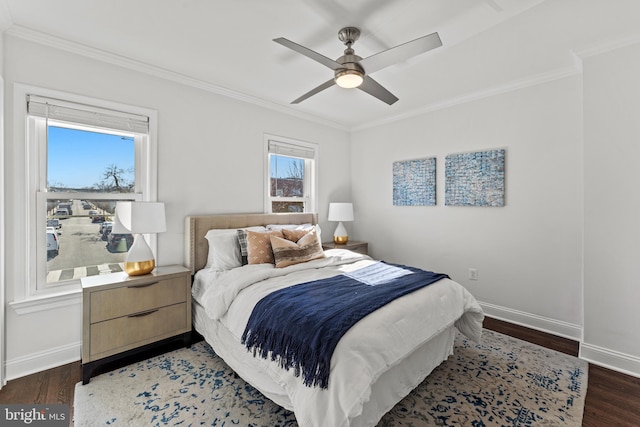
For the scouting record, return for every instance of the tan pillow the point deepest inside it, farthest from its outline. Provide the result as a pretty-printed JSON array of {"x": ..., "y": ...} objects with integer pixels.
[
  {"x": 259, "y": 246},
  {"x": 295, "y": 235},
  {"x": 288, "y": 253}
]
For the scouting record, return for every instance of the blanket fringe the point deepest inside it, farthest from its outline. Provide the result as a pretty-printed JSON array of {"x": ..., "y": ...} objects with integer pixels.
[{"x": 290, "y": 353}]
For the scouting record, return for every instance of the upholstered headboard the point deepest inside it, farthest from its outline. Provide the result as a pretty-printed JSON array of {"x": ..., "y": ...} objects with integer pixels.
[{"x": 196, "y": 227}]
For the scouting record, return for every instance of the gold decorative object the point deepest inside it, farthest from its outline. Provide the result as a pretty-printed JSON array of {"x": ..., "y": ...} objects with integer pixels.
[
  {"x": 340, "y": 240},
  {"x": 139, "y": 268}
]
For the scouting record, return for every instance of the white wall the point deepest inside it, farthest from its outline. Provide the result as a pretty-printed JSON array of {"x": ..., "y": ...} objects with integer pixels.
[
  {"x": 210, "y": 160},
  {"x": 612, "y": 208},
  {"x": 528, "y": 254},
  {"x": 561, "y": 256}
]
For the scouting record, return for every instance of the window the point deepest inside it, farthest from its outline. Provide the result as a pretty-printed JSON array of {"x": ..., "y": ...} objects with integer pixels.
[
  {"x": 290, "y": 180},
  {"x": 84, "y": 158}
]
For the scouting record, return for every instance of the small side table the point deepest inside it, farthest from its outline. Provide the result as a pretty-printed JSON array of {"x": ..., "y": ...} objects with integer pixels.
[
  {"x": 352, "y": 245},
  {"x": 123, "y": 315}
]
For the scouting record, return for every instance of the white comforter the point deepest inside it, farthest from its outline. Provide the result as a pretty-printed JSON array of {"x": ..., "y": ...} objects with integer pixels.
[{"x": 379, "y": 341}]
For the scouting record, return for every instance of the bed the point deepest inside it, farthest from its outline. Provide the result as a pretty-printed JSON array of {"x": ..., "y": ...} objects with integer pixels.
[{"x": 375, "y": 364}]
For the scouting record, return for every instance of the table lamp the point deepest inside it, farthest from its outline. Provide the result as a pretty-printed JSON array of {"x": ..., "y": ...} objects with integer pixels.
[
  {"x": 340, "y": 212},
  {"x": 139, "y": 218}
]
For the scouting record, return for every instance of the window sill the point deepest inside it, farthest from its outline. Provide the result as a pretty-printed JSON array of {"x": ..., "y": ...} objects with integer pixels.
[{"x": 36, "y": 303}]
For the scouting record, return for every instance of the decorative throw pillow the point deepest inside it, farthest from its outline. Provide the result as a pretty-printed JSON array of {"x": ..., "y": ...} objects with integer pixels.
[
  {"x": 259, "y": 246},
  {"x": 287, "y": 253},
  {"x": 242, "y": 240},
  {"x": 295, "y": 235}
]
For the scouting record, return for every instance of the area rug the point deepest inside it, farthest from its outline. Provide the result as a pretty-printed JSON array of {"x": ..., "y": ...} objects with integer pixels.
[{"x": 502, "y": 381}]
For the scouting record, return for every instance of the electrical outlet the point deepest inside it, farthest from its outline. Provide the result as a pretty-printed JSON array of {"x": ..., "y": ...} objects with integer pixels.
[{"x": 473, "y": 274}]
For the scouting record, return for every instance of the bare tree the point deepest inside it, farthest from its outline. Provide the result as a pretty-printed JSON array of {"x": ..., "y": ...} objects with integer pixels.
[
  {"x": 296, "y": 169},
  {"x": 113, "y": 179}
]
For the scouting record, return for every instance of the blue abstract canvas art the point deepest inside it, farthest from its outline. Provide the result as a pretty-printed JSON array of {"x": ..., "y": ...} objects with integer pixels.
[
  {"x": 475, "y": 179},
  {"x": 414, "y": 182}
]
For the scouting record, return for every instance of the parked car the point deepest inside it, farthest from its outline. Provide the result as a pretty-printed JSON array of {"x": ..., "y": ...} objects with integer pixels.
[
  {"x": 66, "y": 205},
  {"x": 98, "y": 218},
  {"x": 105, "y": 225},
  {"x": 53, "y": 244},
  {"x": 55, "y": 223},
  {"x": 105, "y": 229},
  {"x": 93, "y": 212},
  {"x": 62, "y": 213},
  {"x": 119, "y": 242}
]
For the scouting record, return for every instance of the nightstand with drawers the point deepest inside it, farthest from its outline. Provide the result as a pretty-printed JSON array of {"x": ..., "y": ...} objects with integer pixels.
[
  {"x": 352, "y": 245},
  {"x": 123, "y": 315}
]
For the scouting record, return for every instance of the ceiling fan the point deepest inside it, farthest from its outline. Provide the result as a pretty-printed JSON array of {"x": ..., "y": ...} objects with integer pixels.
[{"x": 352, "y": 71}]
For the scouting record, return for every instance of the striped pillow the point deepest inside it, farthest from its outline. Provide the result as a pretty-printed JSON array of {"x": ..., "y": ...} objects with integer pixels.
[
  {"x": 242, "y": 240},
  {"x": 286, "y": 252}
]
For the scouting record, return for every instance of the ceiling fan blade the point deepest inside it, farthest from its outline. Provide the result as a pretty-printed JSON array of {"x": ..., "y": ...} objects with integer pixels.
[
  {"x": 400, "y": 53},
  {"x": 374, "y": 88},
  {"x": 328, "y": 62},
  {"x": 312, "y": 92}
]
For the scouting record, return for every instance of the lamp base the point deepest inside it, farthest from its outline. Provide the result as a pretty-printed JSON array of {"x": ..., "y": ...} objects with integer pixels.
[
  {"x": 139, "y": 268},
  {"x": 340, "y": 236},
  {"x": 139, "y": 259},
  {"x": 340, "y": 240}
]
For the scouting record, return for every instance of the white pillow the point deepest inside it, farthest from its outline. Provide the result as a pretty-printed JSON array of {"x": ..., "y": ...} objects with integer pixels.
[
  {"x": 288, "y": 226},
  {"x": 224, "y": 248}
]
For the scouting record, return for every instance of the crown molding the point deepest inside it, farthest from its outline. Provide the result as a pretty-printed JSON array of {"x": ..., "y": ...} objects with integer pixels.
[
  {"x": 607, "y": 45},
  {"x": 578, "y": 55},
  {"x": 162, "y": 73},
  {"x": 166, "y": 74},
  {"x": 528, "y": 81},
  {"x": 5, "y": 16}
]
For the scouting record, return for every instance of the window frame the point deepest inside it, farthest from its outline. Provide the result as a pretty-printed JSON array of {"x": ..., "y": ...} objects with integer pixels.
[
  {"x": 310, "y": 196},
  {"x": 35, "y": 177}
]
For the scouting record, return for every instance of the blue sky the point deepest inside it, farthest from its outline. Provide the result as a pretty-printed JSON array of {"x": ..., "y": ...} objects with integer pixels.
[
  {"x": 78, "y": 159},
  {"x": 285, "y": 165}
]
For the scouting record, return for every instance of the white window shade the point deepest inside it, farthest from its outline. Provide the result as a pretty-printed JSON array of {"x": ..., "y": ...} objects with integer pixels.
[
  {"x": 285, "y": 149},
  {"x": 57, "y": 109}
]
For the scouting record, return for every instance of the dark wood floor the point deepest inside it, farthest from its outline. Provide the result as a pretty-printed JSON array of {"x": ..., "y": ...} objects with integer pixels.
[{"x": 613, "y": 399}]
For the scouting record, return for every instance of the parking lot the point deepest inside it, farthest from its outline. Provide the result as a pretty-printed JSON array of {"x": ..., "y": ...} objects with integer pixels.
[{"x": 83, "y": 250}]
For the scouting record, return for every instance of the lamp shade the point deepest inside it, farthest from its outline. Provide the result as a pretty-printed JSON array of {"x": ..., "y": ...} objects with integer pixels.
[
  {"x": 139, "y": 217},
  {"x": 340, "y": 212}
]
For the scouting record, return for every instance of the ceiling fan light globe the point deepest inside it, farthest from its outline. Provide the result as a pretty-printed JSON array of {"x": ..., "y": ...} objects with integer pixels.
[{"x": 349, "y": 79}]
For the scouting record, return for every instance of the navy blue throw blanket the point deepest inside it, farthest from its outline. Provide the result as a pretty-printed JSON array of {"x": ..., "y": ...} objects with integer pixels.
[{"x": 301, "y": 325}]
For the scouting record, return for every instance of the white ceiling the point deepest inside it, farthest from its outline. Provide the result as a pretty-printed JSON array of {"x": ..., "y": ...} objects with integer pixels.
[{"x": 227, "y": 47}]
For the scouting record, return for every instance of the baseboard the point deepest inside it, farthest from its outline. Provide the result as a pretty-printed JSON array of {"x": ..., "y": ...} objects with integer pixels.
[
  {"x": 533, "y": 321},
  {"x": 37, "y": 362},
  {"x": 610, "y": 359}
]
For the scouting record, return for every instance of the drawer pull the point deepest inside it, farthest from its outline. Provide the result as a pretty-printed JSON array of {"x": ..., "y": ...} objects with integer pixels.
[
  {"x": 143, "y": 313},
  {"x": 143, "y": 286}
]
